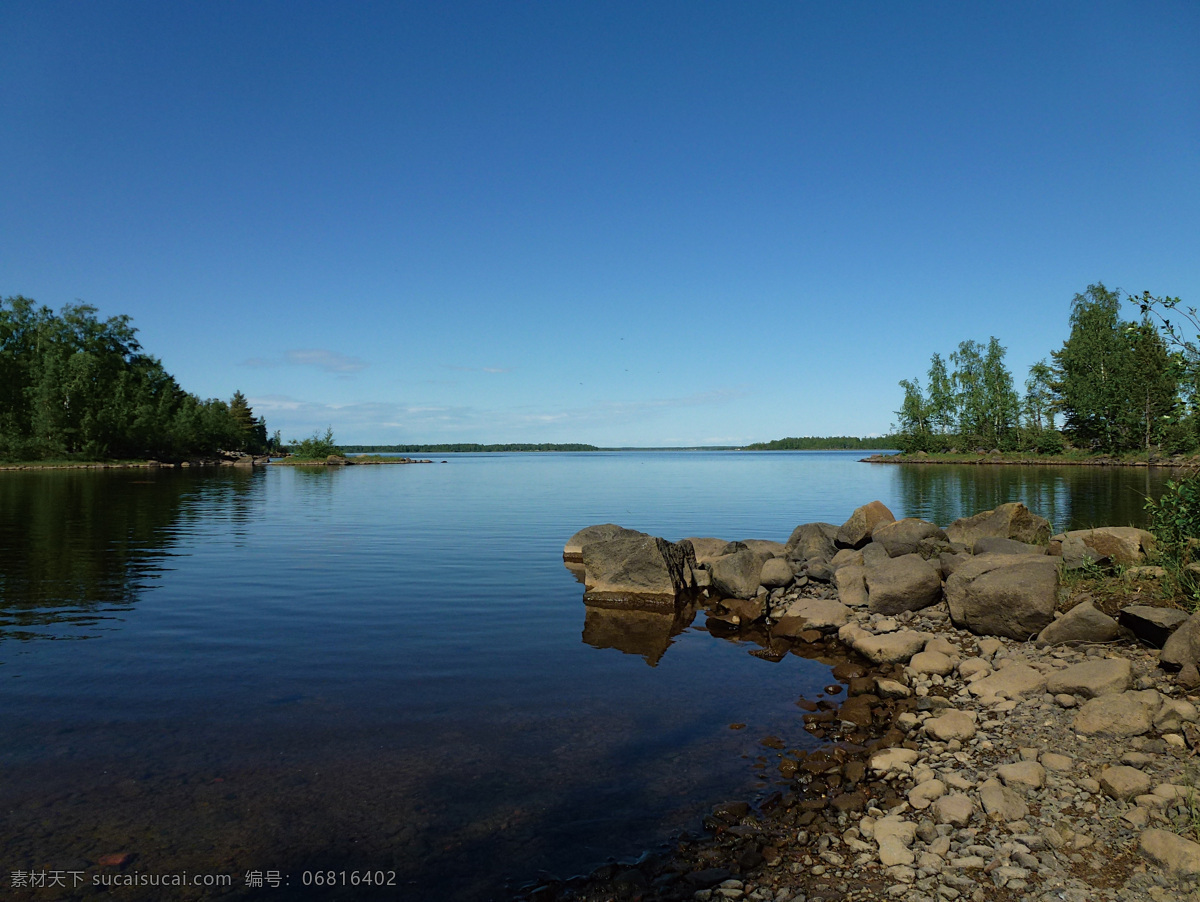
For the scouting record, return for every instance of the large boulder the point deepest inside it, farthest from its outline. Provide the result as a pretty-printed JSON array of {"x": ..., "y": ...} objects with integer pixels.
[
  {"x": 1123, "y": 544},
  {"x": 707, "y": 549},
  {"x": 1011, "y": 595},
  {"x": 906, "y": 583},
  {"x": 637, "y": 571},
  {"x": 601, "y": 532},
  {"x": 812, "y": 542},
  {"x": 1009, "y": 521},
  {"x": 1083, "y": 623},
  {"x": 1152, "y": 625},
  {"x": 1182, "y": 646},
  {"x": 738, "y": 575},
  {"x": 856, "y": 531},
  {"x": 901, "y": 537}
]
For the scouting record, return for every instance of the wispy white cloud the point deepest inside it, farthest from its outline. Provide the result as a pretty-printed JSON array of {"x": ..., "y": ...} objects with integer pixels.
[
  {"x": 323, "y": 359},
  {"x": 387, "y": 421}
]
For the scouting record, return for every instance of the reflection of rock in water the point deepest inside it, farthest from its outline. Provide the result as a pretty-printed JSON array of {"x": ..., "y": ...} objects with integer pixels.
[{"x": 645, "y": 633}]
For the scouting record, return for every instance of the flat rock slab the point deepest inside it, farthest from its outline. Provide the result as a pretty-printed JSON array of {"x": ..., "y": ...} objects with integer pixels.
[
  {"x": 1123, "y": 714},
  {"x": 1092, "y": 678},
  {"x": 1124, "y": 782},
  {"x": 1177, "y": 856},
  {"x": 811, "y": 614},
  {"x": 1022, "y": 775},
  {"x": 1150, "y": 624},
  {"x": 601, "y": 532},
  {"x": 953, "y": 724},
  {"x": 1014, "y": 681},
  {"x": 1000, "y": 802},
  {"x": 891, "y": 648}
]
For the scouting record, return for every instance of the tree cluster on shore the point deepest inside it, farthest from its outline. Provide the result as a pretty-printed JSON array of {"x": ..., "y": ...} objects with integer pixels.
[
  {"x": 1119, "y": 386},
  {"x": 74, "y": 386},
  {"x": 821, "y": 443}
]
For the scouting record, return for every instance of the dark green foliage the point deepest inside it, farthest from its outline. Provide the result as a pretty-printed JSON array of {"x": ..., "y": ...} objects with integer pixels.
[
  {"x": 75, "y": 386},
  {"x": 823, "y": 443},
  {"x": 315, "y": 447},
  {"x": 1175, "y": 522}
]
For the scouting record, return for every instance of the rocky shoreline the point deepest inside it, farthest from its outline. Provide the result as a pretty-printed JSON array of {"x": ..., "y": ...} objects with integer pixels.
[
  {"x": 224, "y": 459},
  {"x": 967, "y": 754}
]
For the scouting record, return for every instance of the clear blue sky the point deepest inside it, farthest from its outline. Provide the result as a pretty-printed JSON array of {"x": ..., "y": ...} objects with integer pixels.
[{"x": 619, "y": 223}]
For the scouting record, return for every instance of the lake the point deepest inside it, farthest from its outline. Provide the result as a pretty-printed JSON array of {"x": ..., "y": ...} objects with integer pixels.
[{"x": 254, "y": 675}]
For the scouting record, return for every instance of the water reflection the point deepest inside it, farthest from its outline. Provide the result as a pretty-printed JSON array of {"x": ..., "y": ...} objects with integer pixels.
[
  {"x": 644, "y": 633},
  {"x": 79, "y": 547},
  {"x": 1069, "y": 497}
]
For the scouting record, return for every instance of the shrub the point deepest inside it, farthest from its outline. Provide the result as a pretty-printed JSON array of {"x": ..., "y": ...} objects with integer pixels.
[
  {"x": 316, "y": 447},
  {"x": 1175, "y": 522}
]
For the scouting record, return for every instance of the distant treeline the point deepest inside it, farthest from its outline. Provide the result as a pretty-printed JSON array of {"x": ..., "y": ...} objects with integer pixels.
[
  {"x": 461, "y": 447},
  {"x": 822, "y": 443},
  {"x": 73, "y": 386}
]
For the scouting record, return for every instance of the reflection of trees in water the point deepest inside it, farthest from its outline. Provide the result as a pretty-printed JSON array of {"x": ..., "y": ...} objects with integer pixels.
[
  {"x": 77, "y": 544},
  {"x": 1069, "y": 497}
]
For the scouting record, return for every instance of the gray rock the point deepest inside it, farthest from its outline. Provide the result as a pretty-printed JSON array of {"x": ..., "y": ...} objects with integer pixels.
[
  {"x": 1150, "y": 624},
  {"x": 955, "y": 809},
  {"x": 1123, "y": 714},
  {"x": 707, "y": 548},
  {"x": 905, "y": 536},
  {"x": 812, "y": 542},
  {"x": 1124, "y": 783},
  {"x": 1176, "y": 855},
  {"x": 896, "y": 584},
  {"x": 1083, "y": 623},
  {"x": 927, "y": 662},
  {"x": 1004, "y": 595},
  {"x": 1014, "y": 681},
  {"x": 811, "y": 613},
  {"x": 1123, "y": 544},
  {"x": 953, "y": 724},
  {"x": 1092, "y": 678},
  {"x": 890, "y": 648},
  {"x": 776, "y": 573},
  {"x": 1008, "y": 521},
  {"x": 765, "y": 547},
  {"x": 1173, "y": 714},
  {"x": 737, "y": 575},
  {"x": 856, "y": 531},
  {"x": 1183, "y": 646},
  {"x": 1001, "y": 545},
  {"x": 1000, "y": 802},
  {"x": 948, "y": 562},
  {"x": 601, "y": 532},
  {"x": 851, "y": 585},
  {"x": 1022, "y": 775},
  {"x": 637, "y": 571}
]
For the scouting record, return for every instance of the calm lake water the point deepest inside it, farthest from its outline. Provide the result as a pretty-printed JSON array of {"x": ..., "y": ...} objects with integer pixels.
[{"x": 282, "y": 670}]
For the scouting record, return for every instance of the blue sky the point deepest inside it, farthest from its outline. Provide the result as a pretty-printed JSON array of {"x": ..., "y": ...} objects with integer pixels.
[{"x": 618, "y": 223}]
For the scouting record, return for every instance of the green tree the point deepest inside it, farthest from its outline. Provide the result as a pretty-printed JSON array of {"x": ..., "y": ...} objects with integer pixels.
[
  {"x": 943, "y": 406},
  {"x": 1092, "y": 369},
  {"x": 912, "y": 427}
]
